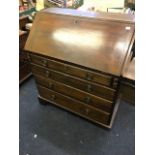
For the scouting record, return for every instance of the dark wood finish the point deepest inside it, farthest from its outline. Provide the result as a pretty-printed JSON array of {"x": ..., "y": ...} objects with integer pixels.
[
  {"x": 98, "y": 90},
  {"x": 96, "y": 41},
  {"x": 127, "y": 89},
  {"x": 73, "y": 70},
  {"x": 24, "y": 73},
  {"x": 74, "y": 105},
  {"x": 24, "y": 66},
  {"x": 23, "y": 20},
  {"x": 82, "y": 96},
  {"x": 78, "y": 58},
  {"x": 128, "y": 82},
  {"x": 44, "y": 101}
]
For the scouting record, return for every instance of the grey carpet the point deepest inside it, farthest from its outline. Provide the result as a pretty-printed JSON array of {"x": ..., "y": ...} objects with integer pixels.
[{"x": 48, "y": 130}]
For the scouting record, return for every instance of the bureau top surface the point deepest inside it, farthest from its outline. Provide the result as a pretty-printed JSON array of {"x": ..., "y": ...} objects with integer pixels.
[{"x": 94, "y": 40}]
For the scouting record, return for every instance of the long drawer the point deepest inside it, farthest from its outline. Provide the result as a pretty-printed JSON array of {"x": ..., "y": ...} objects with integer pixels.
[
  {"x": 86, "y": 74},
  {"x": 82, "y": 96},
  {"x": 98, "y": 90},
  {"x": 74, "y": 105}
]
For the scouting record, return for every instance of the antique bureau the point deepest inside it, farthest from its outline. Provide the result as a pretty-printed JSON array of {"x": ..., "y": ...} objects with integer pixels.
[{"x": 77, "y": 59}]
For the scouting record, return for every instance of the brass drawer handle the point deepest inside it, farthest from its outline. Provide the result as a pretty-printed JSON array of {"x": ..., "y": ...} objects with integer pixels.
[
  {"x": 89, "y": 77},
  {"x": 89, "y": 88},
  {"x": 44, "y": 62},
  {"x": 47, "y": 73},
  {"x": 87, "y": 100},
  {"x": 53, "y": 97},
  {"x": 51, "y": 85}
]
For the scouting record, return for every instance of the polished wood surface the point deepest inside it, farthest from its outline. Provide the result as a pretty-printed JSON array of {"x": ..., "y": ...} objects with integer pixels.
[
  {"x": 45, "y": 101},
  {"x": 78, "y": 94},
  {"x": 100, "y": 98},
  {"x": 77, "y": 59},
  {"x": 74, "y": 70},
  {"x": 100, "y": 41},
  {"x": 98, "y": 90},
  {"x": 74, "y": 105}
]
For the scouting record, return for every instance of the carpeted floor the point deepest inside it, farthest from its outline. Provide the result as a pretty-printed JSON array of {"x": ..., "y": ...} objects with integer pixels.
[{"x": 48, "y": 130}]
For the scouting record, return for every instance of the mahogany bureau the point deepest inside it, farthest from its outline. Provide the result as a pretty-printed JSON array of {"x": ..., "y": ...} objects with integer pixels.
[{"x": 77, "y": 59}]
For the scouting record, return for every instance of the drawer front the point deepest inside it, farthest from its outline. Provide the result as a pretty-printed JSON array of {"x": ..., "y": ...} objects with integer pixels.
[
  {"x": 73, "y": 70},
  {"x": 95, "y": 89},
  {"x": 82, "y": 96},
  {"x": 74, "y": 105}
]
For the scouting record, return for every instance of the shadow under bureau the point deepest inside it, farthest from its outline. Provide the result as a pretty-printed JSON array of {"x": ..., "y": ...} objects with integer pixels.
[{"x": 77, "y": 59}]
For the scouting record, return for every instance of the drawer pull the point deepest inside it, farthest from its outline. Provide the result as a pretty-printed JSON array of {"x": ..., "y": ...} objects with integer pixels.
[
  {"x": 87, "y": 111},
  {"x": 87, "y": 100},
  {"x": 53, "y": 97},
  {"x": 51, "y": 85},
  {"x": 89, "y": 88},
  {"x": 44, "y": 62},
  {"x": 75, "y": 21},
  {"x": 89, "y": 76},
  {"x": 115, "y": 82},
  {"x": 47, "y": 73},
  {"x": 28, "y": 57}
]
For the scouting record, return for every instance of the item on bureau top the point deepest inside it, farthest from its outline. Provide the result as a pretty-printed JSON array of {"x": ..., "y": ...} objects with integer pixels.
[
  {"x": 28, "y": 26},
  {"x": 21, "y": 32},
  {"x": 63, "y": 3},
  {"x": 78, "y": 58}
]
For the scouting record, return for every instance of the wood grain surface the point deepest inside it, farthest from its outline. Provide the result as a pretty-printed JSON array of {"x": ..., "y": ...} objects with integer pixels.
[{"x": 98, "y": 41}]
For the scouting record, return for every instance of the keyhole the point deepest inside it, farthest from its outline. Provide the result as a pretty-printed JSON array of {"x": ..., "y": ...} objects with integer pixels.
[{"x": 75, "y": 21}]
